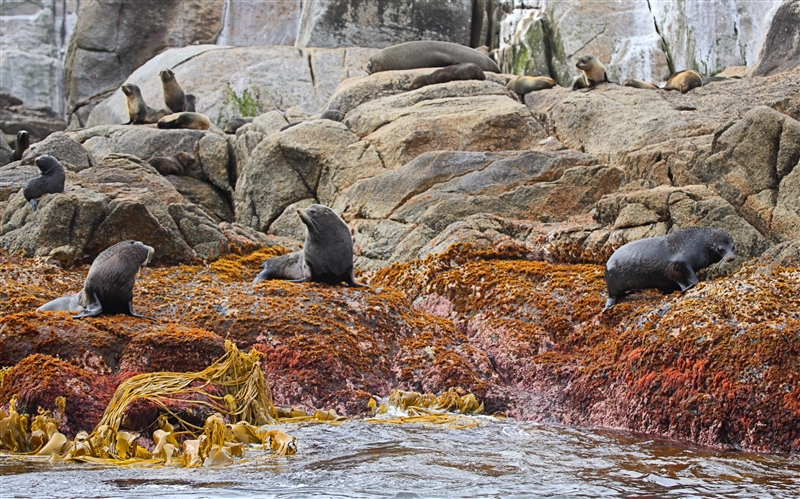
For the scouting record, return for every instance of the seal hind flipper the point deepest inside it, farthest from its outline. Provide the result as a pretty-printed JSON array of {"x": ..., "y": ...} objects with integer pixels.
[
  {"x": 93, "y": 308},
  {"x": 610, "y": 302},
  {"x": 34, "y": 204}
]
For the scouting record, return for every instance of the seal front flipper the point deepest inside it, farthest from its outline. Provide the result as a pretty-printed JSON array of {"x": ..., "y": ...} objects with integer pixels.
[
  {"x": 687, "y": 278},
  {"x": 134, "y": 314},
  {"x": 610, "y": 302},
  {"x": 93, "y": 308},
  {"x": 34, "y": 204}
]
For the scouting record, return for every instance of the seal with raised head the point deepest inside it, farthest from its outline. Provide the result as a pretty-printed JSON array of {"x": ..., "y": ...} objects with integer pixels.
[
  {"x": 51, "y": 180},
  {"x": 633, "y": 82},
  {"x": 174, "y": 97},
  {"x": 173, "y": 165},
  {"x": 21, "y": 143},
  {"x": 593, "y": 73},
  {"x": 139, "y": 112},
  {"x": 108, "y": 288},
  {"x": 187, "y": 120},
  {"x": 525, "y": 84},
  {"x": 289, "y": 267},
  {"x": 667, "y": 263},
  {"x": 463, "y": 71},
  {"x": 684, "y": 81},
  {"x": 427, "y": 54}
]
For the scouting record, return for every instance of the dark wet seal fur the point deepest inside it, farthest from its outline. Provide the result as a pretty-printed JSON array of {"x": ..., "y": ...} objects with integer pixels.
[
  {"x": 139, "y": 113},
  {"x": 593, "y": 73},
  {"x": 173, "y": 165},
  {"x": 463, "y": 71},
  {"x": 684, "y": 81},
  {"x": 236, "y": 123},
  {"x": 21, "y": 143},
  {"x": 526, "y": 84},
  {"x": 288, "y": 267},
  {"x": 667, "y": 263},
  {"x": 187, "y": 120},
  {"x": 51, "y": 180},
  {"x": 108, "y": 288},
  {"x": 645, "y": 85},
  {"x": 174, "y": 97},
  {"x": 427, "y": 54}
]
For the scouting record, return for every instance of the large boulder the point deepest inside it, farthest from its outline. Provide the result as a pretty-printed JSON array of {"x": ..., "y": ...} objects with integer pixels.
[{"x": 781, "y": 50}]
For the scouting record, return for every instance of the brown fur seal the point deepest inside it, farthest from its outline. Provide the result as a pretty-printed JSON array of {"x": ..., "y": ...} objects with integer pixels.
[
  {"x": 463, "y": 71},
  {"x": 174, "y": 97},
  {"x": 21, "y": 144},
  {"x": 190, "y": 103},
  {"x": 190, "y": 121},
  {"x": 51, "y": 180},
  {"x": 525, "y": 84},
  {"x": 593, "y": 73},
  {"x": 327, "y": 254},
  {"x": 108, "y": 288},
  {"x": 668, "y": 263},
  {"x": 138, "y": 111},
  {"x": 236, "y": 123},
  {"x": 632, "y": 82},
  {"x": 684, "y": 81},
  {"x": 173, "y": 165},
  {"x": 427, "y": 54}
]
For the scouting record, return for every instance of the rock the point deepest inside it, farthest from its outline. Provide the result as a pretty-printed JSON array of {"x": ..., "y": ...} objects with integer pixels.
[
  {"x": 247, "y": 81},
  {"x": 114, "y": 38},
  {"x": 38, "y": 122},
  {"x": 249, "y": 23},
  {"x": 6, "y": 153},
  {"x": 62, "y": 147},
  {"x": 781, "y": 49},
  {"x": 204, "y": 195},
  {"x": 380, "y": 23},
  {"x": 289, "y": 224}
]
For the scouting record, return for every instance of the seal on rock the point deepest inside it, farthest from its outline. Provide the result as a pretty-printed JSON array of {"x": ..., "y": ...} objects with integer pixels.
[
  {"x": 190, "y": 103},
  {"x": 139, "y": 112},
  {"x": 174, "y": 97},
  {"x": 668, "y": 263},
  {"x": 289, "y": 267},
  {"x": 427, "y": 54},
  {"x": 329, "y": 114},
  {"x": 236, "y": 123},
  {"x": 684, "y": 81},
  {"x": 632, "y": 82},
  {"x": 173, "y": 165},
  {"x": 593, "y": 73},
  {"x": 525, "y": 84},
  {"x": 463, "y": 71},
  {"x": 186, "y": 120},
  {"x": 51, "y": 180},
  {"x": 21, "y": 144},
  {"x": 108, "y": 288}
]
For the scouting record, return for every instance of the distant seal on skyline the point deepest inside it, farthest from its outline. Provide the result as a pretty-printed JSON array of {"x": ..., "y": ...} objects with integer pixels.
[
  {"x": 51, "y": 180},
  {"x": 186, "y": 120},
  {"x": 21, "y": 143},
  {"x": 684, "y": 81},
  {"x": 593, "y": 73},
  {"x": 173, "y": 165},
  {"x": 668, "y": 263},
  {"x": 139, "y": 113},
  {"x": 525, "y": 84},
  {"x": 427, "y": 54},
  {"x": 174, "y": 96},
  {"x": 108, "y": 288},
  {"x": 463, "y": 71}
]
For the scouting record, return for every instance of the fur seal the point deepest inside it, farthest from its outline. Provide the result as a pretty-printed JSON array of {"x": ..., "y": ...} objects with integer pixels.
[
  {"x": 174, "y": 97},
  {"x": 51, "y": 180},
  {"x": 186, "y": 120},
  {"x": 632, "y": 82},
  {"x": 463, "y": 71},
  {"x": 190, "y": 103},
  {"x": 108, "y": 288},
  {"x": 173, "y": 165},
  {"x": 327, "y": 254},
  {"x": 525, "y": 84},
  {"x": 236, "y": 123},
  {"x": 138, "y": 111},
  {"x": 684, "y": 81},
  {"x": 593, "y": 73},
  {"x": 329, "y": 114},
  {"x": 667, "y": 263},
  {"x": 21, "y": 144},
  {"x": 426, "y": 54}
]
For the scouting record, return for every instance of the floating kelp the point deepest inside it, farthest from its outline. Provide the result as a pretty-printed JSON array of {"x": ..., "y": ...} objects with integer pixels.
[{"x": 430, "y": 409}]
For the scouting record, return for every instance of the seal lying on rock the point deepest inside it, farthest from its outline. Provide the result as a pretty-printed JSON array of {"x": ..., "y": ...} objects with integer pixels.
[
  {"x": 646, "y": 85},
  {"x": 427, "y": 54},
  {"x": 329, "y": 114},
  {"x": 173, "y": 165},
  {"x": 463, "y": 71},
  {"x": 189, "y": 121},
  {"x": 668, "y": 263},
  {"x": 526, "y": 84},
  {"x": 109, "y": 285},
  {"x": 684, "y": 81},
  {"x": 51, "y": 180},
  {"x": 139, "y": 112},
  {"x": 236, "y": 123},
  {"x": 327, "y": 254},
  {"x": 21, "y": 144},
  {"x": 593, "y": 73}
]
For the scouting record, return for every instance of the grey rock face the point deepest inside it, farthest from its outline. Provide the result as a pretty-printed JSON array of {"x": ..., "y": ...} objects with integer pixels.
[
  {"x": 781, "y": 50},
  {"x": 68, "y": 151}
]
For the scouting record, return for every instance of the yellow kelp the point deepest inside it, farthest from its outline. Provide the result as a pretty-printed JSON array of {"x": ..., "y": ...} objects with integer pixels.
[{"x": 430, "y": 409}]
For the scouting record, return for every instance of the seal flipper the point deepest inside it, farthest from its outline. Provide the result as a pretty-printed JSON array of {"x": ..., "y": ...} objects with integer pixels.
[
  {"x": 134, "y": 314},
  {"x": 610, "y": 302},
  {"x": 93, "y": 308},
  {"x": 351, "y": 281},
  {"x": 34, "y": 204},
  {"x": 687, "y": 278}
]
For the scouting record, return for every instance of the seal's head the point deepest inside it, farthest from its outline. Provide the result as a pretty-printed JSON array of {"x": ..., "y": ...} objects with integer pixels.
[
  {"x": 586, "y": 62},
  {"x": 166, "y": 75},
  {"x": 130, "y": 89},
  {"x": 47, "y": 163}
]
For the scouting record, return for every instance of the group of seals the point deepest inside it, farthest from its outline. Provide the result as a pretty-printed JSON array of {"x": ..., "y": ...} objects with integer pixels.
[
  {"x": 139, "y": 112},
  {"x": 50, "y": 181},
  {"x": 108, "y": 288},
  {"x": 463, "y": 71},
  {"x": 173, "y": 165},
  {"x": 668, "y": 263},
  {"x": 180, "y": 111}
]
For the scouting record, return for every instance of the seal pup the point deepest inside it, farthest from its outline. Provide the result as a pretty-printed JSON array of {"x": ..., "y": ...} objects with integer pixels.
[
  {"x": 463, "y": 71},
  {"x": 51, "y": 180},
  {"x": 289, "y": 267},
  {"x": 525, "y": 84},
  {"x": 173, "y": 165},
  {"x": 632, "y": 82},
  {"x": 426, "y": 54},
  {"x": 108, "y": 288},
  {"x": 185, "y": 120},
  {"x": 236, "y": 123},
  {"x": 139, "y": 112},
  {"x": 684, "y": 81},
  {"x": 593, "y": 73},
  {"x": 174, "y": 97},
  {"x": 668, "y": 263},
  {"x": 21, "y": 143}
]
